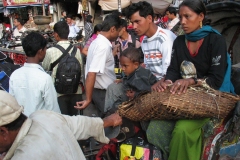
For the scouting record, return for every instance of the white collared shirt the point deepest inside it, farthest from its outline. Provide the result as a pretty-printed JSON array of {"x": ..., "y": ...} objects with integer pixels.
[
  {"x": 73, "y": 30},
  {"x": 100, "y": 60},
  {"x": 172, "y": 23},
  {"x": 33, "y": 89}
]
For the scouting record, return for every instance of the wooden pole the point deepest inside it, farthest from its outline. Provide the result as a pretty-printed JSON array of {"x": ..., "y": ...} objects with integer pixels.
[{"x": 43, "y": 8}]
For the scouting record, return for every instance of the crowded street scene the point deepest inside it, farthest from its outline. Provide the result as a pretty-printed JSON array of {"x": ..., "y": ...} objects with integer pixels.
[{"x": 119, "y": 80}]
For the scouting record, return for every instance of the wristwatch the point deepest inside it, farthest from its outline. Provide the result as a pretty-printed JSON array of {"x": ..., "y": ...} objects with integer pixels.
[{"x": 195, "y": 80}]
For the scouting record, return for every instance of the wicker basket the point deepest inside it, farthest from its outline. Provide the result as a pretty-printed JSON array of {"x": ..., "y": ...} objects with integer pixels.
[{"x": 196, "y": 103}]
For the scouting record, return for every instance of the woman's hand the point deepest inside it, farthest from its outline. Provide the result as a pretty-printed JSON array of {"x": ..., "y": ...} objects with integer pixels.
[{"x": 181, "y": 85}]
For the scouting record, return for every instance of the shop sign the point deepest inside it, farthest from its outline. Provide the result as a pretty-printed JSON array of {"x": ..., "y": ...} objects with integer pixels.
[{"x": 7, "y": 3}]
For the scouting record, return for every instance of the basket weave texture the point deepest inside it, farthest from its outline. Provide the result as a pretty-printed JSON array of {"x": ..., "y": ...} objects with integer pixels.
[{"x": 197, "y": 102}]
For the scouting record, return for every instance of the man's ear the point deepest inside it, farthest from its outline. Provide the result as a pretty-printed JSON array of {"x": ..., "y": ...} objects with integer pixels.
[
  {"x": 3, "y": 131},
  {"x": 149, "y": 18},
  {"x": 113, "y": 29}
]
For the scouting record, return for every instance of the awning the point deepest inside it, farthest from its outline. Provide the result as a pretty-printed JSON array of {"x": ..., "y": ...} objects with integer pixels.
[
  {"x": 22, "y": 6},
  {"x": 109, "y": 5},
  {"x": 23, "y": 3},
  {"x": 159, "y": 6}
]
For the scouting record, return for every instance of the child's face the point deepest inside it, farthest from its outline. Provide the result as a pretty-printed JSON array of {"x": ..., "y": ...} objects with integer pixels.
[{"x": 128, "y": 66}]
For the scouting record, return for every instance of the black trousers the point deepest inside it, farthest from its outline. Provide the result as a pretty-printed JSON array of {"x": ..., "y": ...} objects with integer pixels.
[
  {"x": 67, "y": 103},
  {"x": 98, "y": 100}
]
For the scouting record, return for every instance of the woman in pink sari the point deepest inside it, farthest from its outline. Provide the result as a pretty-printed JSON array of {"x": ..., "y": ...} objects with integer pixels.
[{"x": 96, "y": 30}]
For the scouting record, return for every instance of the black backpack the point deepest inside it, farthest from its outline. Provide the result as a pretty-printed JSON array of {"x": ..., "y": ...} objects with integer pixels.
[{"x": 68, "y": 72}]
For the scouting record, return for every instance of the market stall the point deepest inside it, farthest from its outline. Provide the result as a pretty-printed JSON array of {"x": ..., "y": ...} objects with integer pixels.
[{"x": 159, "y": 6}]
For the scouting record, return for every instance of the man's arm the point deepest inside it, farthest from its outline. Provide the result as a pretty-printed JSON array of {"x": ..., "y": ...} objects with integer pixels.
[
  {"x": 76, "y": 29},
  {"x": 84, "y": 127},
  {"x": 47, "y": 60},
  {"x": 90, "y": 81},
  {"x": 50, "y": 96}
]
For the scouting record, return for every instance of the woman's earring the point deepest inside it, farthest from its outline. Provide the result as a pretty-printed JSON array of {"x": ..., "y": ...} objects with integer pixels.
[{"x": 200, "y": 24}]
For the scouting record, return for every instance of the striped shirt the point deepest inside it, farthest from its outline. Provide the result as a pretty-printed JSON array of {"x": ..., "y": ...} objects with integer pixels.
[{"x": 157, "y": 51}]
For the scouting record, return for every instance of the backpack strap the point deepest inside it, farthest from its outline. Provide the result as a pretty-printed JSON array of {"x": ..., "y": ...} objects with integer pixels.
[
  {"x": 74, "y": 51},
  {"x": 65, "y": 52},
  {"x": 134, "y": 38}
]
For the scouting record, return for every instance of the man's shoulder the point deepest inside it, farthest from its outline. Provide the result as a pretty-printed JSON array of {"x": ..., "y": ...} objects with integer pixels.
[
  {"x": 55, "y": 50},
  {"x": 100, "y": 42},
  {"x": 17, "y": 72}
]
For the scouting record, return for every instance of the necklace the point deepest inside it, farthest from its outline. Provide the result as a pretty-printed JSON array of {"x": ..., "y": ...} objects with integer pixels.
[{"x": 199, "y": 45}]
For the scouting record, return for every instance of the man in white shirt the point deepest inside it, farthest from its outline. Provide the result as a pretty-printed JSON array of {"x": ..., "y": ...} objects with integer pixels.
[
  {"x": 100, "y": 64},
  {"x": 73, "y": 29},
  {"x": 171, "y": 13},
  {"x": 30, "y": 84},
  {"x": 18, "y": 31},
  {"x": 46, "y": 134}
]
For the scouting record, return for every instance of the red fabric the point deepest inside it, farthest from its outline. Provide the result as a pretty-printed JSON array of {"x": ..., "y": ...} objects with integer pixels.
[
  {"x": 130, "y": 27},
  {"x": 112, "y": 146},
  {"x": 141, "y": 38},
  {"x": 7, "y": 25},
  {"x": 165, "y": 19}
]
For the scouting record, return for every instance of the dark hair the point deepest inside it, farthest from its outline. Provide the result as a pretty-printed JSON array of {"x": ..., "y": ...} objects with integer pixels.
[
  {"x": 17, "y": 123},
  {"x": 62, "y": 12},
  {"x": 79, "y": 37},
  {"x": 32, "y": 43},
  {"x": 110, "y": 21},
  {"x": 132, "y": 53},
  {"x": 97, "y": 28},
  {"x": 124, "y": 23},
  {"x": 62, "y": 29},
  {"x": 117, "y": 13},
  {"x": 79, "y": 16},
  {"x": 143, "y": 7},
  {"x": 172, "y": 10},
  {"x": 20, "y": 21},
  {"x": 89, "y": 18},
  {"x": 70, "y": 16},
  {"x": 196, "y": 6}
]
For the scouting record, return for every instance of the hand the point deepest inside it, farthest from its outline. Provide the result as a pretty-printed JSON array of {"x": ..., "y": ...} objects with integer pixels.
[
  {"x": 116, "y": 49},
  {"x": 2, "y": 155},
  {"x": 82, "y": 104},
  {"x": 118, "y": 81},
  {"x": 161, "y": 85},
  {"x": 181, "y": 85},
  {"x": 112, "y": 120},
  {"x": 130, "y": 94},
  {"x": 143, "y": 65}
]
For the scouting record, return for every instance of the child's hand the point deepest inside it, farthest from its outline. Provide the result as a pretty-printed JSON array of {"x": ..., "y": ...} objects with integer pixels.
[
  {"x": 143, "y": 65},
  {"x": 115, "y": 49},
  {"x": 118, "y": 81},
  {"x": 130, "y": 94}
]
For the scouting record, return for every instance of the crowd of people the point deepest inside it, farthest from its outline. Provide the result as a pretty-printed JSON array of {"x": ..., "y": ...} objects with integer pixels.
[{"x": 40, "y": 119}]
